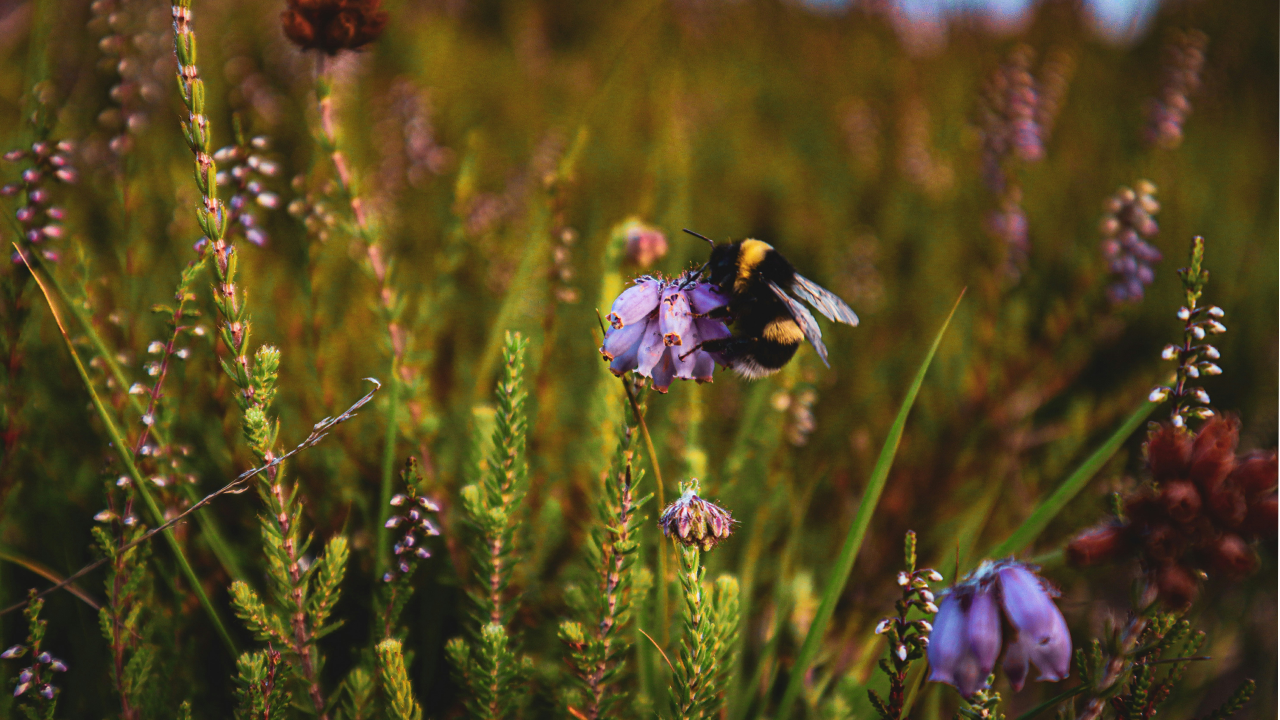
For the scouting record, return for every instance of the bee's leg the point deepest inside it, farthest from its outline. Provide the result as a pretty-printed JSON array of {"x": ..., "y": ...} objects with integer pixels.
[
  {"x": 695, "y": 349},
  {"x": 730, "y": 346},
  {"x": 720, "y": 312}
]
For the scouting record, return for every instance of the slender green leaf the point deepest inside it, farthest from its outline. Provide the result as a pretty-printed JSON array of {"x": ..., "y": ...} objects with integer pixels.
[
  {"x": 1058, "y": 499},
  {"x": 861, "y": 521}
]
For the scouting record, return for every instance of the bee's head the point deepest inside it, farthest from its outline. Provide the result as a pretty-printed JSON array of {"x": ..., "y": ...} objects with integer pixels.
[{"x": 722, "y": 267}]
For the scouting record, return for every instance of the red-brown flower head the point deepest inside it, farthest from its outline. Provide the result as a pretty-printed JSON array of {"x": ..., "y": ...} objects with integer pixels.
[
  {"x": 333, "y": 25},
  {"x": 1203, "y": 511}
]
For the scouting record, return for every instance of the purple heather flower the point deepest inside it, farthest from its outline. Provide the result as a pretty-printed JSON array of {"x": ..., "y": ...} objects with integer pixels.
[
  {"x": 967, "y": 633},
  {"x": 656, "y": 329},
  {"x": 1127, "y": 229},
  {"x": 1040, "y": 632},
  {"x": 693, "y": 521},
  {"x": 417, "y": 527}
]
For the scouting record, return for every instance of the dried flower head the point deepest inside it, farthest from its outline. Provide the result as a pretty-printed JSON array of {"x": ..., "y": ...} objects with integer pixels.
[
  {"x": 693, "y": 521},
  {"x": 1002, "y": 606},
  {"x": 1203, "y": 512},
  {"x": 332, "y": 26},
  {"x": 657, "y": 327}
]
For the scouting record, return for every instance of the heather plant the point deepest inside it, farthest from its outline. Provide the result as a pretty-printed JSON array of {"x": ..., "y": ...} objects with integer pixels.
[{"x": 549, "y": 499}]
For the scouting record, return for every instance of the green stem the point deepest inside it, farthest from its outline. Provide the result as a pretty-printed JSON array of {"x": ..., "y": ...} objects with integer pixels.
[
  {"x": 388, "y": 463},
  {"x": 661, "y": 582},
  {"x": 861, "y": 521}
]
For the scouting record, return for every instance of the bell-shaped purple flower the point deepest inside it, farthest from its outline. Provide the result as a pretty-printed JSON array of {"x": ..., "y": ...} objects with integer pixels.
[
  {"x": 969, "y": 631},
  {"x": 657, "y": 327},
  {"x": 1040, "y": 636},
  {"x": 965, "y": 641}
]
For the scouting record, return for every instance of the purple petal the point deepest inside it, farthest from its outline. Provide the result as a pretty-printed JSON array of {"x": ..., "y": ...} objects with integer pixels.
[
  {"x": 984, "y": 634},
  {"x": 664, "y": 371},
  {"x": 652, "y": 349},
  {"x": 947, "y": 642},
  {"x": 704, "y": 366},
  {"x": 704, "y": 298},
  {"x": 674, "y": 319},
  {"x": 1042, "y": 636},
  {"x": 635, "y": 303},
  {"x": 629, "y": 357},
  {"x": 965, "y": 640},
  {"x": 618, "y": 341},
  {"x": 711, "y": 329}
]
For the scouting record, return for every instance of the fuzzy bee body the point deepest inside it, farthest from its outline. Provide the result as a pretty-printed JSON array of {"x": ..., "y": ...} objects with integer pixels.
[{"x": 769, "y": 324}]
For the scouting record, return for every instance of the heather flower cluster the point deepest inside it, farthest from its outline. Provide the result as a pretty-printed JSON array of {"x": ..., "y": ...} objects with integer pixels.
[
  {"x": 1010, "y": 128},
  {"x": 332, "y": 26},
  {"x": 907, "y": 639},
  {"x": 1009, "y": 124},
  {"x": 657, "y": 327},
  {"x": 37, "y": 216},
  {"x": 1195, "y": 356},
  {"x": 1183, "y": 65},
  {"x": 246, "y": 171},
  {"x": 1203, "y": 513},
  {"x": 135, "y": 45},
  {"x": 36, "y": 675},
  {"x": 415, "y": 527},
  {"x": 1127, "y": 231},
  {"x": 645, "y": 244},
  {"x": 694, "y": 522},
  {"x": 1003, "y": 607}
]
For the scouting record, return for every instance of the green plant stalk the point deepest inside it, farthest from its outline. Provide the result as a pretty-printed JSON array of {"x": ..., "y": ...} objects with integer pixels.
[
  {"x": 126, "y": 458},
  {"x": 381, "y": 562},
  {"x": 380, "y": 269},
  {"x": 208, "y": 525},
  {"x": 1052, "y": 505},
  {"x": 861, "y": 521},
  {"x": 661, "y": 582}
]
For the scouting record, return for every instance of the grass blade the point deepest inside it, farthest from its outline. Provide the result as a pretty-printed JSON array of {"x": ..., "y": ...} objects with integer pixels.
[
  {"x": 9, "y": 555},
  {"x": 1051, "y": 702},
  {"x": 1058, "y": 499},
  {"x": 126, "y": 458},
  {"x": 861, "y": 521}
]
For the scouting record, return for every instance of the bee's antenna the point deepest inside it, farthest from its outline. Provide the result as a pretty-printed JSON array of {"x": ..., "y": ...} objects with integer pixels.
[{"x": 704, "y": 237}]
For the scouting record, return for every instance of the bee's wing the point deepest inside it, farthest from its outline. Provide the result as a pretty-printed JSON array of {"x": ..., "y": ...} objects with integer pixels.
[
  {"x": 823, "y": 301},
  {"x": 804, "y": 319}
]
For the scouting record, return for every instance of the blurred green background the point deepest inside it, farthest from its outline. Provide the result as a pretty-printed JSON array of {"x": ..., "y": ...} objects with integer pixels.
[{"x": 500, "y": 146}]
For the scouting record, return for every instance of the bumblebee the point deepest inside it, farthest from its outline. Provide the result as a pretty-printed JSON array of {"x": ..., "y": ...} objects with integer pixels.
[{"x": 768, "y": 323}]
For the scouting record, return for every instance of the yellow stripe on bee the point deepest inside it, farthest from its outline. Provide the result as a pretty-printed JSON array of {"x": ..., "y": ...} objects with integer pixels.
[
  {"x": 784, "y": 331},
  {"x": 750, "y": 255}
]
